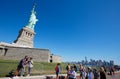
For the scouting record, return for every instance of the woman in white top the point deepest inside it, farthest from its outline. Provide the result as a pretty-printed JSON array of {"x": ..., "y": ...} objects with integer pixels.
[{"x": 72, "y": 73}]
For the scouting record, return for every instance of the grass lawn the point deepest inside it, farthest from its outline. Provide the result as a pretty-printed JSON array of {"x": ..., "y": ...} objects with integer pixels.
[{"x": 40, "y": 68}]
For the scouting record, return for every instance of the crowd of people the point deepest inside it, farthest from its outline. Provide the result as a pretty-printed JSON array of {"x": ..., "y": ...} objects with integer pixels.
[
  {"x": 72, "y": 70},
  {"x": 84, "y": 72},
  {"x": 25, "y": 62}
]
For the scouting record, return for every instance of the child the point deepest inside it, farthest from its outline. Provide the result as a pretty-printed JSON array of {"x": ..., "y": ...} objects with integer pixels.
[{"x": 30, "y": 63}]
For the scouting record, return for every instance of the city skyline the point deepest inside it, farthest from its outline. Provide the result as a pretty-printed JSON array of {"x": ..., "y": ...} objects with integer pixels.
[
  {"x": 92, "y": 62},
  {"x": 71, "y": 29}
]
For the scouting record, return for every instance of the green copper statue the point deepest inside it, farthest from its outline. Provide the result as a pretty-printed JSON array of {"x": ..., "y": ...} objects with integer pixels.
[{"x": 32, "y": 19}]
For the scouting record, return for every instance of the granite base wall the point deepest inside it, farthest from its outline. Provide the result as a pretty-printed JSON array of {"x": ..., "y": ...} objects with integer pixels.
[
  {"x": 17, "y": 53},
  {"x": 56, "y": 58}
]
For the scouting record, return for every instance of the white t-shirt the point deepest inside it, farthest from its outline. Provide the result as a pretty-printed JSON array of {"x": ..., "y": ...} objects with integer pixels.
[
  {"x": 72, "y": 74},
  {"x": 31, "y": 63}
]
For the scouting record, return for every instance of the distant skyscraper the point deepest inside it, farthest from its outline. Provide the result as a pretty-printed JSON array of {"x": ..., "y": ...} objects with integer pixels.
[
  {"x": 86, "y": 62},
  {"x": 26, "y": 34},
  {"x": 111, "y": 62}
]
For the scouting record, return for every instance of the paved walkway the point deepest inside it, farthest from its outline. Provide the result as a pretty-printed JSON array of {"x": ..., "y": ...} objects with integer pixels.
[
  {"x": 116, "y": 76},
  {"x": 35, "y": 77}
]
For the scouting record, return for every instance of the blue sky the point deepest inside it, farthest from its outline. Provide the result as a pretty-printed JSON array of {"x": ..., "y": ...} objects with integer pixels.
[{"x": 72, "y": 29}]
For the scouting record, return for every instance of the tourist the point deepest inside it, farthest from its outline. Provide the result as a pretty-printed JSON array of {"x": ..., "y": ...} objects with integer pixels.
[
  {"x": 111, "y": 70},
  {"x": 89, "y": 73},
  {"x": 75, "y": 67},
  {"x": 82, "y": 72},
  {"x": 57, "y": 70},
  {"x": 21, "y": 66},
  {"x": 30, "y": 65},
  {"x": 72, "y": 73},
  {"x": 68, "y": 69},
  {"x": 23, "y": 63},
  {"x": 96, "y": 74},
  {"x": 102, "y": 73},
  {"x": 104, "y": 68}
]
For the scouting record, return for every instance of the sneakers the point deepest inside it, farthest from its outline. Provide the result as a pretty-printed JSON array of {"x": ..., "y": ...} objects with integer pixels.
[
  {"x": 15, "y": 77},
  {"x": 28, "y": 75}
]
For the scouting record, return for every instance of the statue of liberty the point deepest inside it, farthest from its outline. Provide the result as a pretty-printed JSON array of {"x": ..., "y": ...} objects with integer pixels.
[{"x": 32, "y": 19}]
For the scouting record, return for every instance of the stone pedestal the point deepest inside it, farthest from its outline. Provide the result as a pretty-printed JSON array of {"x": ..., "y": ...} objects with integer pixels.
[{"x": 25, "y": 38}]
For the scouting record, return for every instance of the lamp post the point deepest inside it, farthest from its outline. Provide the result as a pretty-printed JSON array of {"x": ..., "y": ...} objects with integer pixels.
[{"x": 51, "y": 58}]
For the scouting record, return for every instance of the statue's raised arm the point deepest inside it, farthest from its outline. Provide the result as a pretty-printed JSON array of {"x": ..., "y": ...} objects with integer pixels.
[{"x": 32, "y": 19}]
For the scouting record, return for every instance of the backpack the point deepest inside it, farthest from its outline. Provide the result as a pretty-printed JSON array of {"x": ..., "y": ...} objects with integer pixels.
[
  {"x": 56, "y": 69},
  {"x": 20, "y": 63},
  {"x": 67, "y": 68}
]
